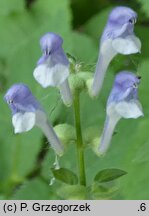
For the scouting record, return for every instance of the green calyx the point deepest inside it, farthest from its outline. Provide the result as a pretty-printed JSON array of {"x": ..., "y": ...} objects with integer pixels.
[{"x": 66, "y": 133}]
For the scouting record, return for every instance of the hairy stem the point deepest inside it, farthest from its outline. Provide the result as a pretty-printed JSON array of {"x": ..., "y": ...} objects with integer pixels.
[{"x": 80, "y": 150}]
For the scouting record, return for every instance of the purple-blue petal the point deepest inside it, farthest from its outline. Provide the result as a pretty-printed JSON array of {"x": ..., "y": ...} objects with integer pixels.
[
  {"x": 124, "y": 88},
  {"x": 20, "y": 99},
  {"x": 120, "y": 23},
  {"x": 53, "y": 53},
  {"x": 50, "y": 42},
  {"x": 43, "y": 59}
]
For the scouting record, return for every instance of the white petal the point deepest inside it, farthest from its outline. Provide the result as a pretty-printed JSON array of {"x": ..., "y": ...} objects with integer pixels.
[
  {"x": 112, "y": 112},
  {"x": 40, "y": 117},
  {"x": 43, "y": 75},
  {"x": 106, "y": 48},
  {"x": 106, "y": 54},
  {"x": 51, "y": 76},
  {"x": 128, "y": 45},
  {"x": 60, "y": 74},
  {"x": 106, "y": 137},
  {"x": 66, "y": 93},
  {"x": 46, "y": 127},
  {"x": 131, "y": 109},
  {"x": 23, "y": 122}
]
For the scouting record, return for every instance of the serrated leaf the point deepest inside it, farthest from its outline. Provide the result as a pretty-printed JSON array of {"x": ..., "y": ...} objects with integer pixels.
[
  {"x": 107, "y": 175},
  {"x": 65, "y": 176}
]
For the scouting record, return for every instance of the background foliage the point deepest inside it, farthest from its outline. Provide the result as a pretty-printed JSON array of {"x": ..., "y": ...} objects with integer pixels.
[{"x": 25, "y": 159}]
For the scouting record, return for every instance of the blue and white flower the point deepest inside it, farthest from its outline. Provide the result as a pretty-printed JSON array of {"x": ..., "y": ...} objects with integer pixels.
[
  {"x": 27, "y": 113},
  {"x": 53, "y": 67},
  {"x": 122, "y": 103}
]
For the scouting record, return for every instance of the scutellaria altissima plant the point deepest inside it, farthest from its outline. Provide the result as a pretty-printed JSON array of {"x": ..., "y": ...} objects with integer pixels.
[{"x": 54, "y": 68}]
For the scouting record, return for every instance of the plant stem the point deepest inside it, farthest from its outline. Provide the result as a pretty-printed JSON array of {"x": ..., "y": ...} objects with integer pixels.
[{"x": 80, "y": 150}]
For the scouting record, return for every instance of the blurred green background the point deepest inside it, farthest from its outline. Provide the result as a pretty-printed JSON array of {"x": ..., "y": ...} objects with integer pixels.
[{"x": 25, "y": 159}]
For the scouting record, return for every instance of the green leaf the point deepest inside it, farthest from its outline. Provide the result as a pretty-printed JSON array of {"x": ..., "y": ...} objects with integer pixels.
[
  {"x": 84, "y": 48},
  {"x": 72, "y": 192},
  {"x": 54, "y": 16},
  {"x": 107, "y": 175},
  {"x": 33, "y": 190},
  {"x": 95, "y": 26},
  {"x": 142, "y": 155},
  {"x": 65, "y": 175},
  {"x": 144, "y": 6},
  {"x": 11, "y": 6},
  {"x": 2, "y": 197}
]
